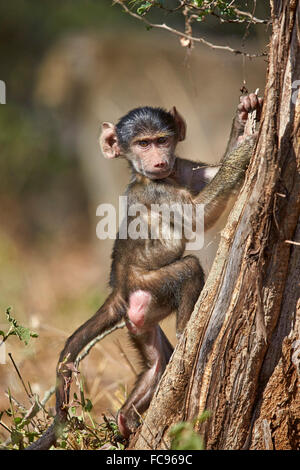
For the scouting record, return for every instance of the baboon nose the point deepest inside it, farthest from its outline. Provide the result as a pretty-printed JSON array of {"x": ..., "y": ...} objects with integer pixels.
[{"x": 161, "y": 165}]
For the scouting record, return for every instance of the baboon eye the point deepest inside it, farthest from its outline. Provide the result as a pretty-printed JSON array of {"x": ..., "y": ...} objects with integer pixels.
[
  {"x": 143, "y": 143},
  {"x": 162, "y": 140}
]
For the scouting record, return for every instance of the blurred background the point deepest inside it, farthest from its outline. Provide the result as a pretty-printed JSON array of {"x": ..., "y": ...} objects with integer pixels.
[{"x": 68, "y": 66}]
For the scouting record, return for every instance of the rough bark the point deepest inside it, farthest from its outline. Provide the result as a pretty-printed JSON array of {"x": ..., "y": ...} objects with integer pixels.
[{"x": 239, "y": 356}]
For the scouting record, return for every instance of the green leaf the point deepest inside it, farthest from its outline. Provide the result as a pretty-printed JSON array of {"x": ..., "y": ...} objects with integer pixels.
[
  {"x": 23, "y": 333},
  {"x": 31, "y": 435},
  {"x": 184, "y": 437},
  {"x": 144, "y": 8},
  {"x": 177, "y": 428},
  {"x": 88, "y": 405}
]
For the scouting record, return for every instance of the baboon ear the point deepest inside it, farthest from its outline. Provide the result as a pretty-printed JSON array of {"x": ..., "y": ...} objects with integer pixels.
[
  {"x": 108, "y": 141},
  {"x": 180, "y": 123}
]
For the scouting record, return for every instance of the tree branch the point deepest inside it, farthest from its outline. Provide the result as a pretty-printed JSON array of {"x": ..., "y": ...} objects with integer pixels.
[{"x": 186, "y": 36}]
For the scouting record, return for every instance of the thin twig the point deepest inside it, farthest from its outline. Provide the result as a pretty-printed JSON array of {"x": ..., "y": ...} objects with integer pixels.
[
  {"x": 292, "y": 242},
  {"x": 48, "y": 395},
  {"x": 184, "y": 35},
  {"x": 250, "y": 15},
  {"x": 16, "y": 402},
  {"x": 20, "y": 377},
  {"x": 5, "y": 427},
  {"x": 96, "y": 340}
]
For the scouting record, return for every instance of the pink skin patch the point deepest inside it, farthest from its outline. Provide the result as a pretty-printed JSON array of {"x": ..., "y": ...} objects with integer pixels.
[
  {"x": 138, "y": 303},
  {"x": 124, "y": 430}
]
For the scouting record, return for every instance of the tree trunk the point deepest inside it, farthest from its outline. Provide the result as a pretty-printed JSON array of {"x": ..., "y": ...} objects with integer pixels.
[{"x": 239, "y": 357}]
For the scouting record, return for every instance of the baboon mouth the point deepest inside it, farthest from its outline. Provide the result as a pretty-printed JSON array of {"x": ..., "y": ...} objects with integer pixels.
[{"x": 159, "y": 174}]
